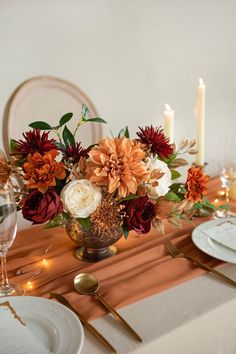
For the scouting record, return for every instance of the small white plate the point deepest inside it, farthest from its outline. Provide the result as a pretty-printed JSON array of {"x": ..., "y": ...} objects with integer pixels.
[
  {"x": 211, "y": 247},
  {"x": 57, "y": 327}
]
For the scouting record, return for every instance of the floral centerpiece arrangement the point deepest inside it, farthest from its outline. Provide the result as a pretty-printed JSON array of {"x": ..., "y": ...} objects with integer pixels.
[{"x": 106, "y": 190}]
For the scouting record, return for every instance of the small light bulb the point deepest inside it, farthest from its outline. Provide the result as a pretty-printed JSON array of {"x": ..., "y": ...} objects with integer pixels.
[
  {"x": 29, "y": 285},
  {"x": 45, "y": 262}
]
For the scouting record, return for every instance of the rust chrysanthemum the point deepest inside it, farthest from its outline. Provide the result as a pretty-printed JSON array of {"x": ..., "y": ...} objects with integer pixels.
[
  {"x": 156, "y": 141},
  {"x": 117, "y": 164},
  {"x": 196, "y": 184},
  {"x": 74, "y": 153},
  {"x": 5, "y": 168},
  {"x": 33, "y": 142},
  {"x": 107, "y": 218},
  {"x": 41, "y": 171}
]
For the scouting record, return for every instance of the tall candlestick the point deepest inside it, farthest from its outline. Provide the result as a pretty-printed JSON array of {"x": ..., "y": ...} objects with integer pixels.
[
  {"x": 200, "y": 116},
  {"x": 169, "y": 123}
]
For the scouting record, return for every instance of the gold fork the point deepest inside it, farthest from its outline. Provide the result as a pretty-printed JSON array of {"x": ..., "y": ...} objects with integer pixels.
[{"x": 176, "y": 253}]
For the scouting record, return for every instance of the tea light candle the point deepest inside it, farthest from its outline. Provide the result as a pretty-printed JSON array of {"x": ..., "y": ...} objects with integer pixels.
[{"x": 169, "y": 123}]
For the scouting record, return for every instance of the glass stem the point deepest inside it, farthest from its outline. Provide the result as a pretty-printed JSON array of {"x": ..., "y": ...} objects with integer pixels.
[
  {"x": 5, "y": 282},
  {"x": 227, "y": 195}
]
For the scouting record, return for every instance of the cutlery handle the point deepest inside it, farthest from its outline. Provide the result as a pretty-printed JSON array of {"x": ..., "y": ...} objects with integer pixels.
[
  {"x": 98, "y": 335},
  {"x": 118, "y": 316},
  {"x": 90, "y": 328},
  {"x": 212, "y": 270}
]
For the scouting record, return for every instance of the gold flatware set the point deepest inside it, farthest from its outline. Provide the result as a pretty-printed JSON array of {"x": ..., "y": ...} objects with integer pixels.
[{"x": 87, "y": 284}]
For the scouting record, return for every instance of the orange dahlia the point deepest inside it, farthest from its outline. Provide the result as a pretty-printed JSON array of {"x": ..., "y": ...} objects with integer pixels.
[
  {"x": 117, "y": 164},
  {"x": 41, "y": 171},
  {"x": 5, "y": 168},
  {"x": 196, "y": 184}
]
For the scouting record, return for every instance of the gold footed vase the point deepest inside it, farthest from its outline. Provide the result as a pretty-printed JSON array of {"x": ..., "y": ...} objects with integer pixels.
[{"x": 92, "y": 247}]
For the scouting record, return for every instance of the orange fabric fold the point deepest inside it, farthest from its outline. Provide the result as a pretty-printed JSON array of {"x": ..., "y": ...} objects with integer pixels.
[{"x": 142, "y": 267}]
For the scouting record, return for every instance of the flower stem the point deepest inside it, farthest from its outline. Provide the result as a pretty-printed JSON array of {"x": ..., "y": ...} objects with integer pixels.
[
  {"x": 57, "y": 134},
  {"x": 81, "y": 122}
]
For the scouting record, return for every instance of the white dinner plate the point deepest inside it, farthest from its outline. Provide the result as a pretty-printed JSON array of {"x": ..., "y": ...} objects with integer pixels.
[
  {"x": 57, "y": 327},
  {"x": 210, "y": 246}
]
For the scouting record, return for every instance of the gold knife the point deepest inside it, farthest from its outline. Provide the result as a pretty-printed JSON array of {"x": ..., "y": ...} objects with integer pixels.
[{"x": 91, "y": 329}]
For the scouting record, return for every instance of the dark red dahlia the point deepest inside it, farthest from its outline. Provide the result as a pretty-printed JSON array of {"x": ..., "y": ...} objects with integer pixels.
[
  {"x": 34, "y": 142},
  {"x": 140, "y": 213},
  {"x": 156, "y": 140},
  {"x": 74, "y": 153}
]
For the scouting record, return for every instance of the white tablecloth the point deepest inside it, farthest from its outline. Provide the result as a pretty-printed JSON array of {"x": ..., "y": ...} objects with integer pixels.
[{"x": 196, "y": 317}]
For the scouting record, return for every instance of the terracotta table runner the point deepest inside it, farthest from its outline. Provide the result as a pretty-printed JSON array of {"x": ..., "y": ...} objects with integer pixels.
[{"x": 141, "y": 269}]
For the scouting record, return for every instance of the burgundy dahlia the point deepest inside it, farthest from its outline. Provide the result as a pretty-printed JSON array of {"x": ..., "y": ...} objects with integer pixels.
[
  {"x": 156, "y": 140},
  {"x": 140, "y": 212},
  {"x": 34, "y": 142},
  {"x": 74, "y": 153},
  {"x": 40, "y": 207}
]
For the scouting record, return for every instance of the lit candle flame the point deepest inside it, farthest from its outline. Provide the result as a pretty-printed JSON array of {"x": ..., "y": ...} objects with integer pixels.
[
  {"x": 201, "y": 82},
  {"x": 167, "y": 107}
]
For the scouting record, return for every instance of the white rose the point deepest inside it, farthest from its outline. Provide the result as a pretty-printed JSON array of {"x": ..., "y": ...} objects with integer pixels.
[
  {"x": 163, "y": 183},
  {"x": 80, "y": 198}
]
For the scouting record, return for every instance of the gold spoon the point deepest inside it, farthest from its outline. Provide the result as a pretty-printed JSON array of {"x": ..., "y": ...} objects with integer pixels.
[{"x": 87, "y": 284}]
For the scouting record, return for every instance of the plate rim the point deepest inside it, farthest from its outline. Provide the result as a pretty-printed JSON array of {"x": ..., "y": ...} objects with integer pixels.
[
  {"x": 198, "y": 229},
  {"x": 52, "y": 303}
]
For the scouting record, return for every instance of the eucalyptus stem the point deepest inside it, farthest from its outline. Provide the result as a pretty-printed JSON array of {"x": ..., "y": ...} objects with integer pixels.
[
  {"x": 58, "y": 135},
  {"x": 81, "y": 122}
]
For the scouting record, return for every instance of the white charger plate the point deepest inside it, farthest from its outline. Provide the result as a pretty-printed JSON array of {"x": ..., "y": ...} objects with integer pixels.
[
  {"x": 57, "y": 327},
  {"x": 211, "y": 247}
]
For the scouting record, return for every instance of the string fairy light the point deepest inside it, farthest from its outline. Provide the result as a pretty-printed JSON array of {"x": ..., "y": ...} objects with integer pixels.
[{"x": 29, "y": 285}]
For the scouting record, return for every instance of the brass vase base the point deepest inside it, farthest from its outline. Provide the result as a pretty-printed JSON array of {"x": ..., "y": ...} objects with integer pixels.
[{"x": 95, "y": 255}]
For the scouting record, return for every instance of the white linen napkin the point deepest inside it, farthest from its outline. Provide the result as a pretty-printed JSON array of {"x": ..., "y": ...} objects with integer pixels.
[{"x": 223, "y": 233}]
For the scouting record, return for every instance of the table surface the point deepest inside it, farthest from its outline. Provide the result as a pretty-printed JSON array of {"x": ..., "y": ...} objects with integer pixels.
[{"x": 142, "y": 282}]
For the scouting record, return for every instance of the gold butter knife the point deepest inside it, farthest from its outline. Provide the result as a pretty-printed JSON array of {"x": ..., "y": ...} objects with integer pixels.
[{"x": 91, "y": 329}]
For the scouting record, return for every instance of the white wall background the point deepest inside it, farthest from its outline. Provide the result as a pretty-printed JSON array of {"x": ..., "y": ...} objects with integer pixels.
[{"x": 130, "y": 57}]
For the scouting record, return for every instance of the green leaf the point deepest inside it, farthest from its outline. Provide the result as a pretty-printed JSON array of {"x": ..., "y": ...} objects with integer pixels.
[
  {"x": 129, "y": 197},
  {"x": 68, "y": 137},
  {"x": 13, "y": 144},
  {"x": 175, "y": 174},
  {"x": 121, "y": 133},
  {"x": 182, "y": 189},
  {"x": 170, "y": 158},
  {"x": 85, "y": 223},
  {"x": 85, "y": 111},
  {"x": 124, "y": 132},
  {"x": 40, "y": 125},
  {"x": 225, "y": 206},
  {"x": 125, "y": 231},
  {"x": 178, "y": 189},
  {"x": 58, "y": 220},
  {"x": 20, "y": 162},
  {"x": 64, "y": 119},
  {"x": 59, "y": 145},
  {"x": 172, "y": 196},
  {"x": 98, "y": 120}
]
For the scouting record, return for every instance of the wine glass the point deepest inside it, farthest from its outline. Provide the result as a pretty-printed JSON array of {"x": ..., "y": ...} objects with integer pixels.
[
  {"x": 228, "y": 173},
  {"x": 7, "y": 236}
]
